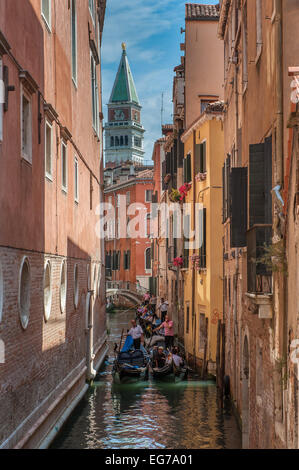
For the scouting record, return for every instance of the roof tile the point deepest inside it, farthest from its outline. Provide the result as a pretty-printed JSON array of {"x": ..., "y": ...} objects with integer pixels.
[{"x": 198, "y": 11}]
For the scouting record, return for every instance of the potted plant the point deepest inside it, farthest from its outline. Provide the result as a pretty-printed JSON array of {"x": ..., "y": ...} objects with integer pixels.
[
  {"x": 178, "y": 262},
  {"x": 184, "y": 190},
  {"x": 175, "y": 195}
]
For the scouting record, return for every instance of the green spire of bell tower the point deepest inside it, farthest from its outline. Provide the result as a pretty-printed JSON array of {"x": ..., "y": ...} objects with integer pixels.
[{"x": 124, "y": 89}]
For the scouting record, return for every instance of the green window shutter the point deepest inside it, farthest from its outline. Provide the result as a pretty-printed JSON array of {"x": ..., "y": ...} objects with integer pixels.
[
  {"x": 185, "y": 170},
  {"x": 204, "y": 157},
  {"x": 189, "y": 175},
  {"x": 197, "y": 158}
]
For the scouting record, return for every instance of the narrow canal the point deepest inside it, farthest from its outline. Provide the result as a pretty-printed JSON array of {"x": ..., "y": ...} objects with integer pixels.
[{"x": 148, "y": 415}]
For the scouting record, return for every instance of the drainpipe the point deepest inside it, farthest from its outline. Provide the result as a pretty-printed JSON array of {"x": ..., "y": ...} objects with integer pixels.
[
  {"x": 279, "y": 93},
  {"x": 279, "y": 280}
]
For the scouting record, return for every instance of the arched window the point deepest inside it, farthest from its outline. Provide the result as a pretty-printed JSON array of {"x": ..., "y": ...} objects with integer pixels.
[
  {"x": 121, "y": 141},
  {"x": 148, "y": 259},
  {"x": 63, "y": 285},
  {"x": 126, "y": 140},
  {"x": 76, "y": 286},
  {"x": 116, "y": 141},
  {"x": 24, "y": 292},
  {"x": 47, "y": 291},
  {"x": 111, "y": 141}
]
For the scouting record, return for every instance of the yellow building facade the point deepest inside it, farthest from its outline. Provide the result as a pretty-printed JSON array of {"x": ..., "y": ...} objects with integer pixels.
[{"x": 203, "y": 273}]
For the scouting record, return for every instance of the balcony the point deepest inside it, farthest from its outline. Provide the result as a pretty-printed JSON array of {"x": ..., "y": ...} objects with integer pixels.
[{"x": 259, "y": 276}]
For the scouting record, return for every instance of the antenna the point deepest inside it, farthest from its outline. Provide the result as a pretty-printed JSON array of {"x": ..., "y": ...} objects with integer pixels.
[{"x": 162, "y": 109}]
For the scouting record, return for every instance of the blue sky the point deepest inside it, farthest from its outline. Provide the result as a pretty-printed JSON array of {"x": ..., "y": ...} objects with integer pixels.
[{"x": 151, "y": 30}]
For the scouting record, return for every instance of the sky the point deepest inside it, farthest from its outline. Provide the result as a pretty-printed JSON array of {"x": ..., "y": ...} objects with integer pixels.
[{"x": 152, "y": 31}]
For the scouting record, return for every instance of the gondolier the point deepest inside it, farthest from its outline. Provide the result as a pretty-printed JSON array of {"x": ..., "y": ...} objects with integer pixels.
[
  {"x": 169, "y": 332},
  {"x": 137, "y": 334}
]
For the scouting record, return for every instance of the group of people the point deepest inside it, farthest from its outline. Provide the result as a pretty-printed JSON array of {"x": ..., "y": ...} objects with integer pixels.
[
  {"x": 160, "y": 359},
  {"x": 158, "y": 319}
]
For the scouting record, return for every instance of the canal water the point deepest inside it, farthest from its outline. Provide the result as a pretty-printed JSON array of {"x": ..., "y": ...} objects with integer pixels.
[{"x": 148, "y": 415}]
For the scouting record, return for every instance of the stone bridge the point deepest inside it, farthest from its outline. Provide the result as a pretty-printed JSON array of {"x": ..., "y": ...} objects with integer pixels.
[{"x": 130, "y": 291}]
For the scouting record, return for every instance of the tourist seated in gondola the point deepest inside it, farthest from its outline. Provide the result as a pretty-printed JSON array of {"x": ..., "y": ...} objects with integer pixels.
[
  {"x": 177, "y": 359},
  {"x": 137, "y": 334},
  {"x": 160, "y": 359}
]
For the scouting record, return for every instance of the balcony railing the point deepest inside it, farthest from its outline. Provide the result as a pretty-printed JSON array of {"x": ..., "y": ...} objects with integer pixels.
[{"x": 259, "y": 276}]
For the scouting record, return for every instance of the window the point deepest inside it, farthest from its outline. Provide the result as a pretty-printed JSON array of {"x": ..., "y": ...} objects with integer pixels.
[
  {"x": 46, "y": 12},
  {"x": 63, "y": 287},
  {"x": 126, "y": 141},
  {"x": 148, "y": 259},
  {"x": 201, "y": 158},
  {"x": 148, "y": 195},
  {"x": 1, "y": 99},
  {"x": 111, "y": 141},
  {"x": 74, "y": 40},
  {"x": 137, "y": 142},
  {"x": 116, "y": 141},
  {"x": 187, "y": 169},
  {"x": 24, "y": 293},
  {"x": 92, "y": 9},
  {"x": 127, "y": 260},
  {"x": 1, "y": 291},
  {"x": 76, "y": 286},
  {"x": 94, "y": 94},
  {"x": 204, "y": 104},
  {"x": 121, "y": 141},
  {"x": 259, "y": 30},
  {"x": 48, "y": 150},
  {"x": 26, "y": 126},
  {"x": 76, "y": 180},
  {"x": 64, "y": 166},
  {"x": 47, "y": 291}
]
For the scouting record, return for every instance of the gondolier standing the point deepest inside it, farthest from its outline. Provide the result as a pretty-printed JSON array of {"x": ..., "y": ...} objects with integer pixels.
[
  {"x": 137, "y": 334},
  {"x": 169, "y": 332}
]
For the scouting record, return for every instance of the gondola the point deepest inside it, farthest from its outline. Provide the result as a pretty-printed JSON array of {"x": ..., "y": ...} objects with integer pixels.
[
  {"x": 170, "y": 373},
  {"x": 131, "y": 365}
]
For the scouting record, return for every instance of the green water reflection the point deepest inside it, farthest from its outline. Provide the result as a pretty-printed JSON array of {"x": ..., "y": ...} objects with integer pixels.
[{"x": 148, "y": 415}]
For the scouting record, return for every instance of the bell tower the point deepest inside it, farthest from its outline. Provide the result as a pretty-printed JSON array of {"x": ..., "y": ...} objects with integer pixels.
[{"x": 124, "y": 133}]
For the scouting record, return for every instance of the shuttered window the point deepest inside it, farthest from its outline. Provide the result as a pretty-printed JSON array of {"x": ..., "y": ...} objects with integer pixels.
[
  {"x": 226, "y": 190},
  {"x": 238, "y": 209},
  {"x": 201, "y": 158},
  {"x": 187, "y": 169},
  {"x": 260, "y": 183}
]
